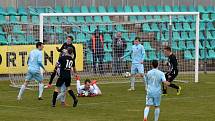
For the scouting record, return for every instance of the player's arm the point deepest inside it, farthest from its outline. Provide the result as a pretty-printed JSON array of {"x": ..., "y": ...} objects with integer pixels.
[
  {"x": 60, "y": 50},
  {"x": 163, "y": 79},
  {"x": 39, "y": 61},
  {"x": 74, "y": 52}
]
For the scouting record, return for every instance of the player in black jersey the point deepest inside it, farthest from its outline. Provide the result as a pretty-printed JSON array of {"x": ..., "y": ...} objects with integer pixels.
[
  {"x": 172, "y": 72},
  {"x": 67, "y": 66}
]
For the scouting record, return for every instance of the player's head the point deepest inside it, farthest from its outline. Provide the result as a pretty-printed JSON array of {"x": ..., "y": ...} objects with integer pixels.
[
  {"x": 87, "y": 83},
  {"x": 118, "y": 34},
  {"x": 155, "y": 63},
  {"x": 167, "y": 50},
  {"x": 69, "y": 51},
  {"x": 137, "y": 40},
  {"x": 39, "y": 45},
  {"x": 69, "y": 39}
]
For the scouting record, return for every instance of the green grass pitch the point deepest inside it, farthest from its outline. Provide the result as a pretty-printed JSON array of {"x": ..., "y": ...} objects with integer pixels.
[{"x": 116, "y": 104}]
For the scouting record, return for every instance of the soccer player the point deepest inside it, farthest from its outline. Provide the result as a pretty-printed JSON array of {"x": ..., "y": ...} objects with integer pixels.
[
  {"x": 89, "y": 89},
  {"x": 34, "y": 73},
  {"x": 138, "y": 53},
  {"x": 173, "y": 70},
  {"x": 153, "y": 82},
  {"x": 67, "y": 66}
]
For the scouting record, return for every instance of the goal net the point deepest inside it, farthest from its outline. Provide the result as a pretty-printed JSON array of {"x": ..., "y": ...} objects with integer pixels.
[{"x": 102, "y": 38}]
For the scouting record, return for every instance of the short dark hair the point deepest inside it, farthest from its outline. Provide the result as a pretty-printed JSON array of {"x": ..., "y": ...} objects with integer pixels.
[
  {"x": 69, "y": 50},
  {"x": 71, "y": 37},
  {"x": 38, "y": 44},
  {"x": 155, "y": 63},
  {"x": 137, "y": 38},
  {"x": 168, "y": 48},
  {"x": 87, "y": 80}
]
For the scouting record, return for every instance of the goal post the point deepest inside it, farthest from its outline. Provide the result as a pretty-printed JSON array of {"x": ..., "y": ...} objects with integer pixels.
[{"x": 129, "y": 14}]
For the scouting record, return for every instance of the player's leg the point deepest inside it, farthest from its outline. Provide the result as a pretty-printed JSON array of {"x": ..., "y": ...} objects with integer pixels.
[
  {"x": 78, "y": 84},
  {"x": 39, "y": 78},
  {"x": 62, "y": 94},
  {"x": 132, "y": 78},
  {"x": 149, "y": 102},
  {"x": 141, "y": 71},
  {"x": 59, "y": 83},
  {"x": 164, "y": 86},
  {"x": 70, "y": 91},
  {"x": 171, "y": 78},
  {"x": 157, "y": 101}
]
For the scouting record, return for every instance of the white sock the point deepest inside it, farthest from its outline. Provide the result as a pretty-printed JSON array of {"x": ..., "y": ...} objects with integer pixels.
[
  {"x": 132, "y": 82},
  {"x": 78, "y": 86},
  {"x": 21, "y": 91},
  {"x": 41, "y": 87},
  {"x": 157, "y": 112},
  {"x": 146, "y": 112}
]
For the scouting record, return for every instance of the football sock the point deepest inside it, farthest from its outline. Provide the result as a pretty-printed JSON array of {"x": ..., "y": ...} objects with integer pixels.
[
  {"x": 54, "y": 98},
  {"x": 21, "y": 91},
  {"x": 52, "y": 77},
  {"x": 71, "y": 93},
  {"x": 132, "y": 81},
  {"x": 157, "y": 112},
  {"x": 41, "y": 87},
  {"x": 60, "y": 95},
  {"x": 174, "y": 86},
  {"x": 146, "y": 112}
]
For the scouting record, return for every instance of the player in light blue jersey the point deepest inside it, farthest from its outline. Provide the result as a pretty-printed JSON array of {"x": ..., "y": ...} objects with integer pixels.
[
  {"x": 34, "y": 72},
  {"x": 153, "y": 80},
  {"x": 137, "y": 53}
]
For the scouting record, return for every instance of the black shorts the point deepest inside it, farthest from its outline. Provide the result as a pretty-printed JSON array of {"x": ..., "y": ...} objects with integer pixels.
[
  {"x": 62, "y": 80},
  {"x": 170, "y": 77}
]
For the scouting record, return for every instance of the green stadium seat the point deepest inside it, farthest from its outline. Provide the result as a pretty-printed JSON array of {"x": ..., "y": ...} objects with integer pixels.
[
  {"x": 175, "y": 46},
  {"x": 202, "y": 26},
  {"x": 88, "y": 37},
  {"x": 145, "y": 27},
  {"x": 201, "y": 36},
  {"x": 128, "y": 8},
  {"x": 125, "y": 36},
  {"x": 184, "y": 36},
  {"x": 103, "y": 28},
  {"x": 165, "y": 19},
  {"x": 101, "y": 9},
  {"x": 1, "y": 31},
  {"x": 165, "y": 36},
  {"x": 93, "y": 28},
  {"x": 209, "y": 36},
  {"x": 110, "y": 28},
  {"x": 193, "y": 26},
  {"x": 30, "y": 39},
  {"x": 107, "y": 47},
  {"x": 89, "y": 56},
  {"x": 188, "y": 55},
  {"x": 22, "y": 11},
  {"x": 213, "y": 33},
  {"x": 107, "y": 57},
  {"x": 210, "y": 26},
  {"x": 186, "y": 26},
  {"x": 66, "y": 9},
  {"x": 192, "y": 8},
  {"x": 107, "y": 38},
  {"x": 181, "y": 19},
  {"x": 63, "y": 20},
  {"x": 213, "y": 16},
  {"x": 152, "y": 55},
  {"x": 201, "y": 9},
  {"x": 200, "y": 45},
  {"x": 205, "y": 18},
  {"x": 161, "y": 56},
  {"x": 24, "y": 19},
  {"x": 146, "y": 58},
  {"x": 183, "y": 8},
  {"x": 13, "y": 20},
  {"x": 76, "y": 9},
  {"x": 190, "y": 45},
  {"x": 80, "y": 19},
  {"x": 2, "y": 19},
  {"x": 11, "y": 11},
  {"x": 40, "y": 10},
  {"x": 210, "y": 9},
  {"x": 147, "y": 46},
  {"x": 202, "y": 54},
  {"x": 106, "y": 19},
  {"x": 176, "y": 8},
  {"x": 211, "y": 54},
  {"x": 178, "y": 27},
  {"x": 17, "y": 29},
  {"x": 93, "y": 9},
  {"x": 84, "y": 9},
  {"x": 89, "y": 19},
  {"x": 80, "y": 38},
  {"x": 132, "y": 19},
  {"x": 3, "y": 40},
  {"x": 152, "y": 8},
  {"x": 167, "y": 8},
  {"x": 192, "y": 35},
  {"x": 181, "y": 45},
  {"x": 58, "y": 9},
  {"x": 111, "y": 9},
  {"x": 136, "y": 8},
  {"x": 49, "y": 30},
  {"x": 71, "y": 19},
  {"x": 54, "y": 20},
  {"x": 33, "y": 11},
  {"x": 164, "y": 27},
  {"x": 140, "y": 18},
  {"x": 189, "y": 19},
  {"x": 98, "y": 19},
  {"x": 213, "y": 44},
  {"x": 144, "y": 8},
  {"x": 149, "y": 18},
  {"x": 129, "y": 46},
  {"x": 35, "y": 19},
  {"x": 208, "y": 46},
  {"x": 2, "y": 11},
  {"x": 58, "y": 30},
  {"x": 21, "y": 39},
  {"x": 160, "y": 9},
  {"x": 154, "y": 27},
  {"x": 119, "y": 8},
  {"x": 120, "y": 28},
  {"x": 132, "y": 36}
]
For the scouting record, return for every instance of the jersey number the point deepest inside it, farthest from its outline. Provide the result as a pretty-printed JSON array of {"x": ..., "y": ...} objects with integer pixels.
[{"x": 69, "y": 63}]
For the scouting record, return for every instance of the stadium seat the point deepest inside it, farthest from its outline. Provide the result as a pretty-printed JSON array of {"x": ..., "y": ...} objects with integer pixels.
[
  {"x": 140, "y": 18},
  {"x": 89, "y": 56},
  {"x": 201, "y": 9},
  {"x": 181, "y": 45},
  {"x": 188, "y": 55},
  {"x": 17, "y": 29},
  {"x": 103, "y": 28},
  {"x": 58, "y": 30},
  {"x": 93, "y": 9},
  {"x": 13, "y": 20},
  {"x": 145, "y": 27},
  {"x": 164, "y": 27},
  {"x": 33, "y": 11},
  {"x": 201, "y": 36},
  {"x": 11, "y": 39},
  {"x": 30, "y": 39},
  {"x": 201, "y": 26},
  {"x": 178, "y": 27},
  {"x": 106, "y": 19},
  {"x": 152, "y": 8},
  {"x": 190, "y": 45},
  {"x": 120, "y": 28},
  {"x": 120, "y": 8},
  {"x": 101, "y": 9},
  {"x": 2, "y": 11},
  {"x": 3, "y": 40},
  {"x": 176, "y": 8},
  {"x": 213, "y": 44},
  {"x": 189, "y": 19},
  {"x": 184, "y": 36},
  {"x": 144, "y": 8},
  {"x": 2, "y": 19},
  {"x": 167, "y": 8},
  {"x": 84, "y": 9},
  {"x": 129, "y": 46},
  {"x": 54, "y": 20},
  {"x": 76, "y": 9},
  {"x": 160, "y": 9},
  {"x": 209, "y": 36},
  {"x": 49, "y": 30},
  {"x": 192, "y": 8},
  {"x": 22, "y": 11},
  {"x": 58, "y": 9},
  {"x": 213, "y": 33},
  {"x": 210, "y": 26},
  {"x": 161, "y": 56},
  {"x": 148, "y": 17},
  {"x": 80, "y": 38},
  {"x": 107, "y": 47},
  {"x": 152, "y": 55},
  {"x": 154, "y": 27},
  {"x": 107, "y": 38},
  {"x": 165, "y": 36},
  {"x": 147, "y": 46},
  {"x": 132, "y": 19},
  {"x": 93, "y": 28},
  {"x": 66, "y": 9},
  {"x": 89, "y": 19},
  {"x": 107, "y": 57},
  {"x": 71, "y": 19},
  {"x": 21, "y": 39},
  {"x": 181, "y": 19},
  {"x": 40, "y": 10},
  {"x": 211, "y": 54},
  {"x": 132, "y": 36},
  {"x": 136, "y": 8},
  {"x": 80, "y": 19},
  {"x": 202, "y": 54},
  {"x": 200, "y": 45},
  {"x": 63, "y": 20},
  {"x": 98, "y": 19},
  {"x": 210, "y": 9},
  {"x": 213, "y": 16},
  {"x": 110, "y": 28},
  {"x": 24, "y": 19},
  {"x": 111, "y": 9},
  {"x": 175, "y": 45},
  {"x": 205, "y": 18},
  {"x": 125, "y": 36},
  {"x": 208, "y": 46},
  {"x": 11, "y": 10},
  {"x": 128, "y": 8},
  {"x": 35, "y": 19},
  {"x": 176, "y": 36},
  {"x": 193, "y": 26},
  {"x": 186, "y": 26},
  {"x": 183, "y": 8},
  {"x": 127, "y": 58}
]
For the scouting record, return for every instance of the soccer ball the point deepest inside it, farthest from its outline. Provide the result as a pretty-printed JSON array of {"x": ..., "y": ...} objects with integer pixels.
[
  {"x": 85, "y": 93},
  {"x": 127, "y": 74}
]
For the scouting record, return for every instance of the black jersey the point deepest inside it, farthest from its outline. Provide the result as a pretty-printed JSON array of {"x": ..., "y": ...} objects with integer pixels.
[
  {"x": 65, "y": 46},
  {"x": 66, "y": 64},
  {"x": 173, "y": 64}
]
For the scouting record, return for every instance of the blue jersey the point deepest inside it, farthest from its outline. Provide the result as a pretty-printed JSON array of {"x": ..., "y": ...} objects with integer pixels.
[
  {"x": 35, "y": 60},
  {"x": 154, "y": 79},
  {"x": 137, "y": 53}
]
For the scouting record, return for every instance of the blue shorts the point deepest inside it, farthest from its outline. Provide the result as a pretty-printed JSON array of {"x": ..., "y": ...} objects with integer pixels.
[
  {"x": 153, "y": 100},
  {"x": 137, "y": 68},
  {"x": 34, "y": 76}
]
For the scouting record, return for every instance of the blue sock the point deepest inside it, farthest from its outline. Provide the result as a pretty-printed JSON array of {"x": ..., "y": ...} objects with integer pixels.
[
  {"x": 146, "y": 112},
  {"x": 41, "y": 87},
  {"x": 157, "y": 112}
]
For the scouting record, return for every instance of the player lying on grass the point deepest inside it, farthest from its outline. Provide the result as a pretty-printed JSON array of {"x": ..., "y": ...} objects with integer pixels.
[
  {"x": 67, "y": 66},
  {"x": 34, "y": 73},
  {"x": 153, "y": 81},
  {"x": 173, "y": 71},
  {"x": 89, "y": 89}
]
